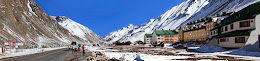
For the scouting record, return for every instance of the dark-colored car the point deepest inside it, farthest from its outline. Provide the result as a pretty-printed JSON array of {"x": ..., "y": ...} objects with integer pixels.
[{"x": 155, "y": 44}]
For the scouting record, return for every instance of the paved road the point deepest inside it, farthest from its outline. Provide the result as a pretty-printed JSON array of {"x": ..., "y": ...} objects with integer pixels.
[{"x": 55, "y": 55}]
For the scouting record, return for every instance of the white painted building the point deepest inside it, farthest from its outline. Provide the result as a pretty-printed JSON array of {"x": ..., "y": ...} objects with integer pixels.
[{"x": 147, "y": 38}]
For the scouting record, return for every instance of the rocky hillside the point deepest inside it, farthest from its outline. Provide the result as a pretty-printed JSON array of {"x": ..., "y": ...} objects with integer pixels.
[
  {"x": 190, "y": 10},
  {"x": 24, "y": 21}
]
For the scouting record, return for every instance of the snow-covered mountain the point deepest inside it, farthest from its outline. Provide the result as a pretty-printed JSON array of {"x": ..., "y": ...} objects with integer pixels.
[
  {"x": 84, "y": 33},
  {"x": 183, "y": 13},
  {"x": 24, "y": 21}
]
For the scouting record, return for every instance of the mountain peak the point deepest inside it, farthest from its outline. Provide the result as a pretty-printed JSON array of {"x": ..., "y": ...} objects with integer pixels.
[
  {"x": 130, "y": 26},
  {"x": 61, "y": 18}
]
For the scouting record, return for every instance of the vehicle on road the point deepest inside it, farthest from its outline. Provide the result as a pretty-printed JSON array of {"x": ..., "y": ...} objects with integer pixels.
[
  {"x": 73, "y": 46},
  {"x": 156, "y": 44}
]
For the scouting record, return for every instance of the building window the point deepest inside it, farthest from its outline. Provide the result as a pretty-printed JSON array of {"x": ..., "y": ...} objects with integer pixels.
[
  {"x": 166, "y": 39},
  {"x": 214, "y": 32},
  {"x": 240, "y": 40},
  {"x": 222, "y": 29},
  {"x": 166, "y": 36},
  {"x": 244, "y": 24},
  {"x": 210, "y": 33},
  {"x": 172, "y": 36},
  {"x": 226, "y": 28},
  {"x": 231, "y": 26},
  {"x": 222, "y": 40}
]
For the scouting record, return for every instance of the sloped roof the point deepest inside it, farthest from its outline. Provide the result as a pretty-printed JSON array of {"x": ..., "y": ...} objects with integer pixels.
[
  {"x": 148, "y": 34},
  {"x": 236, "y": 33},
  {"x": 166, "y": 32}
]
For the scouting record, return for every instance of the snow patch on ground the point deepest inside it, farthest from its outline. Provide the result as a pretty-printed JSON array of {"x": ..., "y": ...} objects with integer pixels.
[
  {"x": 27, "y": 51},
  {"x": 134, "y": 56},
  {"x": 219, "y": 50},
  {"x": 210, "y": 49},
  {"x": 242, "y": 52}
]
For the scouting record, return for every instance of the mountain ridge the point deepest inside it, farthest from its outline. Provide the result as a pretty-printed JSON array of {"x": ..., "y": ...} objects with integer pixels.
[{"x": 24, "y": 21}]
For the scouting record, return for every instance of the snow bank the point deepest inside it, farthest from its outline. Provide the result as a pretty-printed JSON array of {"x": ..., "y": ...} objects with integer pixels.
[
  {"x": 27, "y": 51},
  {"x": 242, "y": 52},
  {"x": 210, "y": 49},
  {"x": 133, "y": 56},
  {"x": 144, "y": 57},
  {"x": 121, "y": 56}
]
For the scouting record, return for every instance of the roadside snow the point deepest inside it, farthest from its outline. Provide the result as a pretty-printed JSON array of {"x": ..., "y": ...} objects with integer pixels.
[{"x": 27, "y": 52}]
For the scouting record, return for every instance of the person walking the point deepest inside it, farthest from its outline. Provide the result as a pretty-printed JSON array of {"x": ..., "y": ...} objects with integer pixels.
[
  {"x": 83, "y": 48},
  {"x": 72, "y": 47}
]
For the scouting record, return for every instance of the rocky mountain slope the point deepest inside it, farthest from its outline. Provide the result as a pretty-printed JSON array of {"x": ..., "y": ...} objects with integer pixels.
[
  {"x": 183, "y": 13},
  {"x": 24, "y": 21},
  {"x": 76, "y": 29}
]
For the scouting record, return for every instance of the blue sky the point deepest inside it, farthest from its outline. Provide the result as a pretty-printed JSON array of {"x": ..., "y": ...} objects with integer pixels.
[{"x": 105, "y": 16}]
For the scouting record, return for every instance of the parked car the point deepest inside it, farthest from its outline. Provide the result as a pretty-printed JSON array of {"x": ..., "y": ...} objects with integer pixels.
[{"x": 160, "y": 44}]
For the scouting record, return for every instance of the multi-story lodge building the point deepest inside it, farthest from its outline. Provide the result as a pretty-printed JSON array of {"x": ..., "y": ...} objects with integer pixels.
[
  {"x": 166, "y": 36},
  {"x": 147, "y": 38},
  {"x": 197, "y": 31},
  {"x": 234, "y": 31}
]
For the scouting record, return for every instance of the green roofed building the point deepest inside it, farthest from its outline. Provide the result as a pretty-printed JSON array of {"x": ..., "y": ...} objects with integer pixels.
[
  {"x": 166, "y": 36},
  {"x": 149, "y": 35},
  {"x": 165, "y": 32},
  {"x": 147, "y": 38}
]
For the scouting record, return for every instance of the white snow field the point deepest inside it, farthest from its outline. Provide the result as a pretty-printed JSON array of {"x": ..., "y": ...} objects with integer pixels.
[{"x": 144, "y": 54}]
